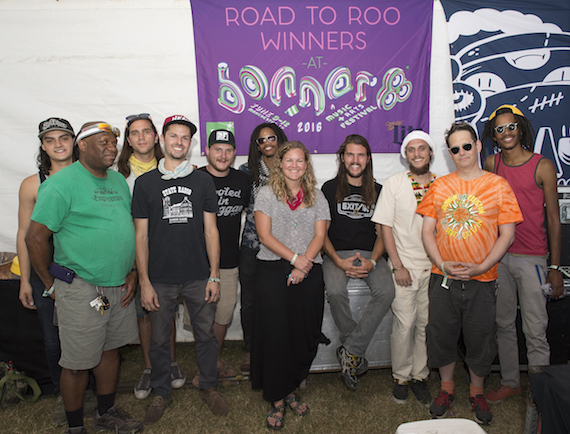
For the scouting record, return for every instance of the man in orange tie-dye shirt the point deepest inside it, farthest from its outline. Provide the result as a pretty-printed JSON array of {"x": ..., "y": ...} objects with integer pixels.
[{"x": 469, "y": 223}]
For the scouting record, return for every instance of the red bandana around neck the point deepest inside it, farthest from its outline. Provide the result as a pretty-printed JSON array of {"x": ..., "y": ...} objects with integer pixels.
[{"x": 297, "y": 201}]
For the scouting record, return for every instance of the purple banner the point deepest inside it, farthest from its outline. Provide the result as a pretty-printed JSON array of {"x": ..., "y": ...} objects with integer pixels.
[{"x": 319, "y": 72}]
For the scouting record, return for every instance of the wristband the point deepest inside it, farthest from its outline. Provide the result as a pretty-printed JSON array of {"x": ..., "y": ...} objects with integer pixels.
[
  {"x": 374, "y": 262},
  {"x": 214, "y": 279},
  {"x": 397, "y": 269},
  {"x": 445, "y": 275},
  {"x": 559, "y": 268},
  {"x": 48, "y": 292},
  {"x": 295, "y": 256}
]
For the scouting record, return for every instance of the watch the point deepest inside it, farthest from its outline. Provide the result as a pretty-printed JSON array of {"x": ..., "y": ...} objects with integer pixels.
[{"x": 554, "y": 267}]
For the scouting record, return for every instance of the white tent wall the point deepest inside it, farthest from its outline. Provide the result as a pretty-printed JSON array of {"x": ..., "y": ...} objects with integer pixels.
[{"x": 86, "y": 60}]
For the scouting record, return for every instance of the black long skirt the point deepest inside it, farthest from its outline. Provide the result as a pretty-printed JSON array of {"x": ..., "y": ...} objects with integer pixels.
[{"x": 287, "y": 328}]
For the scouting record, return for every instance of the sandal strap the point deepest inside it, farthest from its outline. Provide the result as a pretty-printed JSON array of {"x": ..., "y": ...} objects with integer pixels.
[
  {"x": 277, "y": 409},
  {"x": 292, "y": 399}
]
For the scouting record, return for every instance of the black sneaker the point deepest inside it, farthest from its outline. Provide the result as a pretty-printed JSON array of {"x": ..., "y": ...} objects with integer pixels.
[
  {"x": 441, "y": 404},
  {"x": 421, "y": 390},
  {"x": 117, "y": 421},
  {"x": 400, "y": 392},
  {"x": 481, "y": 411},
  {"x": 142, "y": 387},
  {"x": 177, "y": 377},
  {"x": 348, "y": 364}
]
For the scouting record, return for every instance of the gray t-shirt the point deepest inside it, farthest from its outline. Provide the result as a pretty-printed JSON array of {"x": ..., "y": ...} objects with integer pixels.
[{"x": 295, "y": 229}]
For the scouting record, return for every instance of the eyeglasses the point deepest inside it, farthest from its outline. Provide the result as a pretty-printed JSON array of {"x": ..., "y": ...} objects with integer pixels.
[
  {"x": 133, "y": 118},
  {"x": 466, "y": 147},
  {"x": 500, "y": 129},
  {"x": 262, "y": 140}
]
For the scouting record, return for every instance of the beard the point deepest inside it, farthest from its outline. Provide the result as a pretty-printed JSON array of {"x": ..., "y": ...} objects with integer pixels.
[{"x": 419, "y": 170}]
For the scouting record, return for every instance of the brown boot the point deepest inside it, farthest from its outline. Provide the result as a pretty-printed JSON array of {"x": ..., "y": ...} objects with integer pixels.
[{"x": 216, "y": 402}]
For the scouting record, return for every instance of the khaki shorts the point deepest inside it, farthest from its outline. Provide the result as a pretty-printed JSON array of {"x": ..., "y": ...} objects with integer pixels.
[
  {"x": 228, "y": 298},
  {"x": 85, "y": 333}
]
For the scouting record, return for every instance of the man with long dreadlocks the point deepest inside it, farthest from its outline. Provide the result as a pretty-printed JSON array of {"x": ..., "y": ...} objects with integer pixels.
[
  {"x": 354, "y": 249},
  {"x": 523, "y": 269}
]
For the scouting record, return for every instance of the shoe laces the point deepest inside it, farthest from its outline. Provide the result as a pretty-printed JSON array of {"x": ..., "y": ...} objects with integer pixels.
[
  {"x": 442, "y": 398},
  {"x": 351, "y": 360},
  {"x": 479, "y": 401}
]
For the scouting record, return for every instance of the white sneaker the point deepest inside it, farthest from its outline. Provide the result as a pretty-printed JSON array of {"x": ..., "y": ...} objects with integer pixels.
[
  {"x": 177, "y": 377},
  {"x": 142, "y": 388}
]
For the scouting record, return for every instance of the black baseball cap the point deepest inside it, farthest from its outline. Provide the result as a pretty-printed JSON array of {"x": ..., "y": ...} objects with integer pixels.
[
  {"x": 55, "y": 124},
  {"x": 222, "y": 136}
]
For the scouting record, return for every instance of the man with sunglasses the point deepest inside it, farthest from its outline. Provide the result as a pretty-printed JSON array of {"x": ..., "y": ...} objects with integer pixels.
[
  {"x": 468, "y": 225},
  {"x": 178, "y": 253},
  {"x": 523, "y": 269},
  {"x": 87, "y": 209}
]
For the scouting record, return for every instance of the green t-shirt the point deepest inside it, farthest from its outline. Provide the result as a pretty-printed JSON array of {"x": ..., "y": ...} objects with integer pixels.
[{"x": 91, "y": 221}]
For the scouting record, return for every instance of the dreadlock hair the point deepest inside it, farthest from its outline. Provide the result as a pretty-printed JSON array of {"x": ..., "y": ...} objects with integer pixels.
[
  {"x": 127, "y": 150},
  {"x": 342, "y": 185},
  {"x": 254, "y": 152},
  {"x": 527, "y": 131},
  {"x": 277, "y": 181},
  {"x": 44, "y": 162}
]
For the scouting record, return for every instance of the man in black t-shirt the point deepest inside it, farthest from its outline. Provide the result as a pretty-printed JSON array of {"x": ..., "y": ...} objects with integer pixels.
[
  {"x": 354, "y": 249},
  {"x": 178, "y": 253},
  {"x": 233, "y": 191}
]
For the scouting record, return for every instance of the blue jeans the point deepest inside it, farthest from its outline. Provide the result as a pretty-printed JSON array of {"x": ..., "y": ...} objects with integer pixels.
[
  {"x": 356, "y": 336},
  {"x": 202, "y": 320},
  {"x": 46, "y": 309}
]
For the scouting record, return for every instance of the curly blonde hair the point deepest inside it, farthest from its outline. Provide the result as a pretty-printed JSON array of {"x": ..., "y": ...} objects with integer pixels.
[{"x": 277, "y": 182}]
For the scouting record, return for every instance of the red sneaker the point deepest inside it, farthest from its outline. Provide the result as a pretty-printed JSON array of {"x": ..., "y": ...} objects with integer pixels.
[{"x": 502, "y": 392}]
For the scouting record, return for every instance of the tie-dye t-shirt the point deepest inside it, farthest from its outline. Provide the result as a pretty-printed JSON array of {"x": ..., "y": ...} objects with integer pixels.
[{"x": 468, "y": 216}]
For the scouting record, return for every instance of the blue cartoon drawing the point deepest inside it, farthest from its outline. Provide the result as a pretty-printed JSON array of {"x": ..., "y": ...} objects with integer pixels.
[{"x": 507, "y": 57}]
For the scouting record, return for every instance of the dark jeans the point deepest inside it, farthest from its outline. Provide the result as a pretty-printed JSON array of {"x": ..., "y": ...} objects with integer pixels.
[
  {"x": 247, "y": 280},
  {"x": 46, "y": 309},
  {"x": 202, "y": 320}
]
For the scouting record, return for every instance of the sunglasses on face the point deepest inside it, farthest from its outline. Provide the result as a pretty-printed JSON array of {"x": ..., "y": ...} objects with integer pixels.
[
  {"x": 500, "y": 129},
  {"x": 133, "y": 118},
  {"x": 262, "y": 140},
  {"x": 455, "y": 149}
]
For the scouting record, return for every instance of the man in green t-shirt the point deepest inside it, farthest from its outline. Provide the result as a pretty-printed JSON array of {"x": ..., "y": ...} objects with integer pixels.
[{"x": 87, "y": 210}]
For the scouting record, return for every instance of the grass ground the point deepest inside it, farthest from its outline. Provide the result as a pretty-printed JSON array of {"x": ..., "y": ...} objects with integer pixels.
[{"x": 334, "y": 408}]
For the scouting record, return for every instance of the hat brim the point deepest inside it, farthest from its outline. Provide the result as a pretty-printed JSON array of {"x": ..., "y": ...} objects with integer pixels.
[{"x": 190, "y": 125}]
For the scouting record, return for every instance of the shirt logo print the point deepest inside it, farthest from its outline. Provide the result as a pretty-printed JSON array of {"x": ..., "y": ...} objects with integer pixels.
[{"x": 461, "y": 215}]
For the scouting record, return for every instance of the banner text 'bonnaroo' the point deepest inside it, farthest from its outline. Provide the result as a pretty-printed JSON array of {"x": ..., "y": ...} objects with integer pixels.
[{"x": 320, "y": 72}]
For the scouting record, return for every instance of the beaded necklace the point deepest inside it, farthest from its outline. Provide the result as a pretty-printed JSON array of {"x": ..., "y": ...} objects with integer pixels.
[{"x": 420, "y": 189}]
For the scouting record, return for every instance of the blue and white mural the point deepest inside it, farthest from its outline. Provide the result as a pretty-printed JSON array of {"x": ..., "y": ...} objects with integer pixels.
[{"x": 520, "y": 57}]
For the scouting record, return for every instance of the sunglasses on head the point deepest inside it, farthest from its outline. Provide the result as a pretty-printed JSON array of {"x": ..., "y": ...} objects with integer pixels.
[
  {"x": 262, "y": 140},
  {"x": 133, "y": 118},
  {"x": 455, "y": 149},
  {"x": 500, "y": 129},
  {"x": 95, "y": 129}
]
